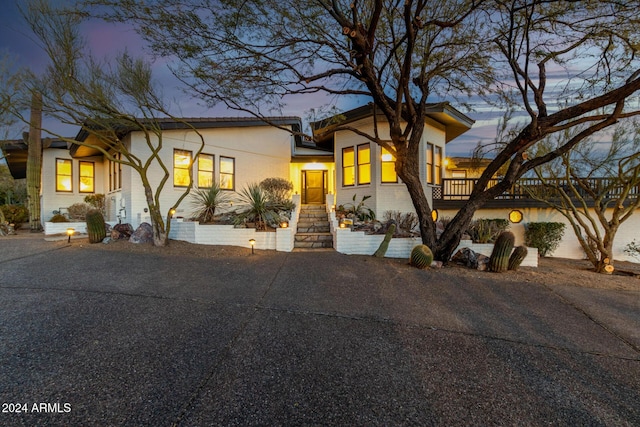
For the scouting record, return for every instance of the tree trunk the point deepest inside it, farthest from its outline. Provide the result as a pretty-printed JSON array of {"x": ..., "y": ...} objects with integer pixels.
[
  {"x": 160, "y": 235},
  {"x": 34, "y": 163}
]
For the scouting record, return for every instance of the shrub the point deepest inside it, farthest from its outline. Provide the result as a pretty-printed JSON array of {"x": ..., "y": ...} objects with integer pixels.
[
  {"x": 58, "y": 218},
  {"x": 78, "y": 211},
  {"x": 633, "y": 249},
  {"x": 256, "y": 205},
  {"x": 360, "y": 211},
  {"x": 484, "y": 230},
  {"x": 207, "y": 200},
  {"x": 279, "y": 189},
  {"x": 407, "y": 221},
  {"x": 15, "y": 214},
  {"x": 97, "y": 201},
  {"x": 545, "y": 236}
]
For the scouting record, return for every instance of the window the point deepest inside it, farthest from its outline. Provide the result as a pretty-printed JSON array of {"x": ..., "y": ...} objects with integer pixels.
[
  {"x": 115, "y": 173},
  {"x": 181, "y": 168},
  {"x": 364, "y": 164},
  {"x": 227, "y": 173},
  {"x": 205, "y": 171},
  {"x": 64, "y": 176},
  {"x": 429, "y": 163},
  {"x": 437, "y": 179},
  {"x": 348, "y": 167},
  {"x": 388, "y": 168},
  {"x": 87, "y": 177}
]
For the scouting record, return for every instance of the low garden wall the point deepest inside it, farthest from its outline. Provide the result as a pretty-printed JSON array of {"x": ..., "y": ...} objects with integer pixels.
[
  {"x": 282, "y": 239},
  {"x": 61, "y": 227},
  {"x": 351, "y": 242}
]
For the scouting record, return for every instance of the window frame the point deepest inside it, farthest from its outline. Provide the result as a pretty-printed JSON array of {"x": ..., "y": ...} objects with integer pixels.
[
  {"x": 58, "y": 175},
  {"x": 182, "y": 168},
  {"x": 351, "y": 167},
  {"x": 383, "y": 162},
  {"x": 93, "y": 177},
  {"x": 212, "y": 171},
  {"x": 429, "y": 163},
  {"x": 232, "y": 174},
  {"x": 361, "y": 166}
]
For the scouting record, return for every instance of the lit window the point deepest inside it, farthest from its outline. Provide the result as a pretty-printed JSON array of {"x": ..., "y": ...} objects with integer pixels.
[
  {"x": 437, "y": 179},
  {"x": 364, "y": 164},
  {"x": 181, "y": 168},
  {"x": 429, "y": 163},
  {"x": 87, "y": 177},
  {"x": 348, "y": 167},
  {"x": 388, "y": 169},
  {"x": 205, "y": 171},
  {"x": 227, "y": 173},
  {"x": 64, "y": 178}
]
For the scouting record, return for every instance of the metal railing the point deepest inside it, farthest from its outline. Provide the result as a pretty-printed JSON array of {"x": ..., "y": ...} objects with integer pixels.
[{"x": 524, "y": 188}]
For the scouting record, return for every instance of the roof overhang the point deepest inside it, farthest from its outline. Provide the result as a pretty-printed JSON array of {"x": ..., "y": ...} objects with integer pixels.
[{"x": 16, "y": 153}]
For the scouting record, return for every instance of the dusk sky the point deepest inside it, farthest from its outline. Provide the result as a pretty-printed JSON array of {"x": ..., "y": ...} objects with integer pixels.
[{"x": 107, "y": 40}]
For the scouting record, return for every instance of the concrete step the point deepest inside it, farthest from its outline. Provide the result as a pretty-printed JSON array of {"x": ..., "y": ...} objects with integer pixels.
[
  {"x": 312, "y": 216},
  {"x": 314, "y": 228},
  {"x": 313, "y": 208},
  {"x": 314, "y": 237}
]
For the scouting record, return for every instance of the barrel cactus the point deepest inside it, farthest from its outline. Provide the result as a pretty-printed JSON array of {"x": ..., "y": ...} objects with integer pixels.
[
  {"x": 421, "y": 256},
  {"x": 499, "y": 260},
  {"x": 516, "y": 258},
  {"x": 95, "y": 226}
]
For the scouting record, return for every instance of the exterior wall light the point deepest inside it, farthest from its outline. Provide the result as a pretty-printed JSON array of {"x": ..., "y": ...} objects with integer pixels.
[
  {"x": 515, "y": 216},
  {"x": 172, "y": 212},
  {"x": 284, "y": 224},
  {"x": 343, "y": 225},
  {"x": 434, "y": 215},
  {"x": 70, "y": 232},
  {"x": 252, "y": 242}
]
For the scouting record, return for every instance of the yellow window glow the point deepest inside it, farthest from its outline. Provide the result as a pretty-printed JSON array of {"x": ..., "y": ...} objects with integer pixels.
[
  {"x": 181, "y": 167},
  {"x": 227, "y": 173},
  {"x": 205, "y": 170},
  {"x": 87, "y": 171},
  {"x": 388, "y": 167},
  {"x": 64, "y": 175},
  {"x": 348, "y": 167},
  {"x": 364, "y": 164}
]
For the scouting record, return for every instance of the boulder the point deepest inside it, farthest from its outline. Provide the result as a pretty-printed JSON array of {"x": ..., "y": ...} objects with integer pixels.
[
  {"x": 466, "y": 257},
  {"x": 121, "y": 231},
  {"x": 144, "y": 234},
  {"x": 483, "y": 262}
]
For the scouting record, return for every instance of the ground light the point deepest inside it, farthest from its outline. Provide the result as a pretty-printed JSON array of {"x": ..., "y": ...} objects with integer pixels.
[
  {"x": 252, "y": 242},
  {"x": 70, "y": 232}
]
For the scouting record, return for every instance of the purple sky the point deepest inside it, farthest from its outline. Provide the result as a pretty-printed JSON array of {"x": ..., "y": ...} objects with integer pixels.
[{"x": 105, "y": 40}]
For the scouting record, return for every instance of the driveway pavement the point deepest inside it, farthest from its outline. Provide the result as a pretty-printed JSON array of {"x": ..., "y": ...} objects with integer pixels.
[{"x": 93, "y": 337}]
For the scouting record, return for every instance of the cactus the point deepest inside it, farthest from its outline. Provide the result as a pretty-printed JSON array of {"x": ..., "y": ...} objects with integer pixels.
[
  {"x": 516, "y": 258},
  {"x": 421, "y": 256},
  {"x": 385, "y": 243},
  {"x": 95, "y": 226},
  {"x": 499, "y": 260}
]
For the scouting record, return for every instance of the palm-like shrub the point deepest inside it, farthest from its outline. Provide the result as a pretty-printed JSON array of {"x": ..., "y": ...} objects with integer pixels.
[
  {"x": 257, "y": 205},
  {"x": 207, "y": 200}
]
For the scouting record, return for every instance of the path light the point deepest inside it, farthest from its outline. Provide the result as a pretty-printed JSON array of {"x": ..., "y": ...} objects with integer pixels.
[
  {"x": 70, "y": 232},
  {"x": 252, "y": 242},
  {"x": 343, "y": 225}
]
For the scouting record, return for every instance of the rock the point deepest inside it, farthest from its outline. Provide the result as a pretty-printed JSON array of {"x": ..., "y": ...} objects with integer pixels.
[
  {"x": 144, "y": 234},
  {"x": 436, "y": 264},
  {"x": 466, "y": 257},
  {"x": 121, "y": 231},
  {"x": 483, "y": 262},
  {"x": 107, "y": 240}
]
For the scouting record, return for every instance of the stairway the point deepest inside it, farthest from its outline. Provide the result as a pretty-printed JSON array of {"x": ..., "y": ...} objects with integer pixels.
[{"x": 313, "y": 228}]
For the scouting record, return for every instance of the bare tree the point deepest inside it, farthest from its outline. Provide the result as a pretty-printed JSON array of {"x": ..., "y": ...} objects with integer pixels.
[
  {"x": 403, "y": 56},
  {"x": 597, "y": 189},
  {"x": 34, "y": 162},
  {"x": 106, "y": 99}
]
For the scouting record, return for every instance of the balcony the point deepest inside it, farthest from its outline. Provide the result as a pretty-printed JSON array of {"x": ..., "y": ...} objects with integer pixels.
[{"x": 454, "y": 192}]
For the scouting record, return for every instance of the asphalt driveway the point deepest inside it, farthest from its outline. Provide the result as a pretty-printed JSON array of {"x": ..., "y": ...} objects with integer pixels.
[{"x": 92, "y": 337}]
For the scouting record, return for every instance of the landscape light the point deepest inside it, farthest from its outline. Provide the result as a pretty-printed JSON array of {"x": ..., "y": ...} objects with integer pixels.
[
  {"x": 70, "y": 232},
  {"x": 252, "y": 242}
]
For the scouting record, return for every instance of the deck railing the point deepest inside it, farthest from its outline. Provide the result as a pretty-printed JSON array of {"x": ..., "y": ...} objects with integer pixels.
[{"x": 460, "y": 189}]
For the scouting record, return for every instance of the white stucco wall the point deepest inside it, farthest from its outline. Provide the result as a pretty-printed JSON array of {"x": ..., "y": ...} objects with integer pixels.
[
  {"x": 53, "y": 200},
  {"x": 569, "y": 247},
  {"x": 387, "y": 196}
]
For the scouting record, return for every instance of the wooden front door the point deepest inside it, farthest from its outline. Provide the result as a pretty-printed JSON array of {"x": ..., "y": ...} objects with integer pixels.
[{"x": 314, "y": 186}]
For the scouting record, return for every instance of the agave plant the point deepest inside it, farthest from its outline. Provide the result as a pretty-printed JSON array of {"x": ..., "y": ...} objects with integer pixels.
[
  {"x": 207, "y": 200},
  {"x": 257, "y": 205}
]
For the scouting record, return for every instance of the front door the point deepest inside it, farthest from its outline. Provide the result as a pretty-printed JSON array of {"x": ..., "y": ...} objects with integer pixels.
[{"x": 314, "y": 186}]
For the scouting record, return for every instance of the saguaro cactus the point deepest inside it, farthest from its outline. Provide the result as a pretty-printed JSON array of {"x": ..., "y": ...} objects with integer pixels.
[
  {"x": 385, "y": 243},
  {"x": 95, "y": 226},
  {"x": 516, "y": 258},
  {"x": 421, "y": 256},
  {"x": 499, "y": 260}
]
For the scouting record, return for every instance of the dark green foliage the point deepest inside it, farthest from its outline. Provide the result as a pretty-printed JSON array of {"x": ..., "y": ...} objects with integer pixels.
[
  {"x": 95, "y": 226},
  {"x": 421, "y": 256},
  {"x": 545, "y": 236},
  {"x": 58, "y": 218},
  {"x": 207, "y": 200},
  {"x": 15, "y": 214},
  {"x": 516, "y": 258},
  {"x": 499, "y": 260},
  {"x": 359, "y": 211},
  {"x": 385, "y": 243},
  {"x": 279, "y": 189}
]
